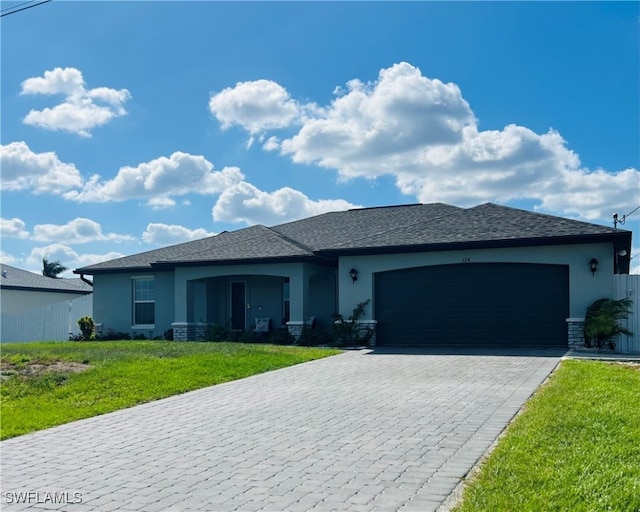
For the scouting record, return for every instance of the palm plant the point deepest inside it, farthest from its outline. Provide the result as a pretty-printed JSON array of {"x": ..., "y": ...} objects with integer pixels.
[
  {"x": 601, "y": 323},
  {"x": 52, "y": 268}
]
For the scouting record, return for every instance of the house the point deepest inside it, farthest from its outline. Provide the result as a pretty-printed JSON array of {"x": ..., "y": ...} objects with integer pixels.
[
  {"x": 23, "y": 291},
  {"x": 434, "y": 274},
  {"x": 35, "y": 307}
]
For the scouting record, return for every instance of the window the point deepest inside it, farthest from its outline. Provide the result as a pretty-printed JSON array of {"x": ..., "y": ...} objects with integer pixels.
[
  {"x": 285, "y": 300},
  {"x": 144, "y": 307}
]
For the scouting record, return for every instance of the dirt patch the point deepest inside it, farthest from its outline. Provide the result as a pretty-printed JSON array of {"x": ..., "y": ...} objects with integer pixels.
[{"x": 35, "y": 368}]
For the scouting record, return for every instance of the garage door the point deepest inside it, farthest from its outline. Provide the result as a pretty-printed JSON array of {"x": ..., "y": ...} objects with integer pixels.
[{"x": 473, "y": 304}]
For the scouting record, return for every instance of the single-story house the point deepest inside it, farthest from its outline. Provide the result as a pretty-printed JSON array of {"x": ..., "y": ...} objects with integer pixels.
[
  {"x": 23, "y": 291},
  {"x": 434, "y": 274}
]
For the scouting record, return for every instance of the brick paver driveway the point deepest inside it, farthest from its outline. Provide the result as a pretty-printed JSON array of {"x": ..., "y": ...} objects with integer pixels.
[{"x": 361, "y": 431}]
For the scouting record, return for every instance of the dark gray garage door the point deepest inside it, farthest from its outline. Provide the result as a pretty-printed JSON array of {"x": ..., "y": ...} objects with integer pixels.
[{"x": 477, "y": 304}]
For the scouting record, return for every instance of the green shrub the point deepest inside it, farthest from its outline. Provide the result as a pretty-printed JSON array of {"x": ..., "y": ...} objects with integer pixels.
[
  {"x": 313, "y": 337},
  {"x": 87, "y": 327},
  {"x": 217, "y": 332},
  {"x": 601, "y": 323},
  {"x": 349, "y": 332},
  {"x": 281, "y": 336}
]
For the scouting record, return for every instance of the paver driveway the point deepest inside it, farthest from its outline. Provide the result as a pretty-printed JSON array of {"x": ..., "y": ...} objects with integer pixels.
[{"x": 361, "y": 431}]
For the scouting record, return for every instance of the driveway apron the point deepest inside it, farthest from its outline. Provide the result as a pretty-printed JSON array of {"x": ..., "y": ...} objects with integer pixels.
[{"x": 362, "y": 431}]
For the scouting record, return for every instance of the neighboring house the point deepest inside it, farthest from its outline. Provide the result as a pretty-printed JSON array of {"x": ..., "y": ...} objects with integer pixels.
[
  {"x": 435, "y": 274},
  {"x": 23, "y": 291},
  {"x": 35, "y": 307}
]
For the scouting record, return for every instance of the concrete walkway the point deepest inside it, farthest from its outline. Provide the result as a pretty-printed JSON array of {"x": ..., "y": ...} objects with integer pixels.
[{"x": 362, "y": 431}]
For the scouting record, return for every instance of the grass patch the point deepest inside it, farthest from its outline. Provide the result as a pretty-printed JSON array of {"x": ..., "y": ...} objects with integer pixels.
[
  {"x": 575, "y": 447},
  {"x": 80, "y": 380}
]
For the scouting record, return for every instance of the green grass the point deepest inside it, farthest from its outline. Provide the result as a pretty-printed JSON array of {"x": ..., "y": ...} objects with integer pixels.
[
  {"x": 576, "y": 447},
  {"x": 123, "y": 374}
]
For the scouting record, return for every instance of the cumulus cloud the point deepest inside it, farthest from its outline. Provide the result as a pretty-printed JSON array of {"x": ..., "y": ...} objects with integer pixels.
[
  {"x": 161, "y": 203},
  {"x": 81, "y": 110},
  {"x": 7, "y": 258},
  {"x": 179, "y": 174},
  {"x": 13, "y": 228},
  {"x": 246, "y": 203},
  {"x": 423, "y": 133},
  {"x": 255, "y": 106},
  {"x": 76, "y": 231},
  {"x": 67, "y": 256},
  {"x": 166, "y": 234},
  {"x": 23, "y": 169}
]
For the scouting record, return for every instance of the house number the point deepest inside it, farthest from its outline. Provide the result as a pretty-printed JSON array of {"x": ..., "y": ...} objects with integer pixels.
[{"x": 466, "y": 260}]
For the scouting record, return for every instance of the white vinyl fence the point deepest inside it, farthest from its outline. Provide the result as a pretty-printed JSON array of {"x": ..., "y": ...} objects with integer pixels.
[
  {"x": 50, "y": 323},
  {"x": 627, "y": 287}
]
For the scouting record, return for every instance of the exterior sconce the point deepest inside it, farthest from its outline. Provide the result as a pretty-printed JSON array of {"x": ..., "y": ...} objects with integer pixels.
[
  {"x": 593, "y": 264},
  {"x": 354, "y": 274},
  {"x": 622, "y": 253}
]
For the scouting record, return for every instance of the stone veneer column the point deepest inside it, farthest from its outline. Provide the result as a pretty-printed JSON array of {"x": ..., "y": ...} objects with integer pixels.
[
  {"x": 575, "y": 327},
  {"x": 189, "y": 331},
  {"x": 295, "y": 329}
]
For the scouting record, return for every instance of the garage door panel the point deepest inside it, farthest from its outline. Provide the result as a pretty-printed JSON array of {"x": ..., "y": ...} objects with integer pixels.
[{"x": 473, "y": 304}]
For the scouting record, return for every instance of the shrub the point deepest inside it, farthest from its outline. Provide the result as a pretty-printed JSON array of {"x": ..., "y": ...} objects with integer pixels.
[
  {"x": 601, "y": 322},
  {"x": 349, "y": 332},
  {"x": 310, "y": 337},
  {"x": 111, "y": 335},
  {"x": 168, "y": 334},
  {"x": 217, "y": 332},
  {"x": 87, "y": 327},
  {"x": 281, "y": 336}
]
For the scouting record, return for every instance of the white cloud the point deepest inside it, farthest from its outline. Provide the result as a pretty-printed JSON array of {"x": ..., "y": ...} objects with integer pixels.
[
  {"x": 82, "y": 109},
  {"x": 246, "y": 203},
  {"x": 166, "y": 234},
  {"x": 255, "y": 106},
  {"x": 13, "y": 228},
  {"x": 77, "y": 231},
  {"x": 423, "y": 133},
  {"x": 179, "y": 174},
  {"x": 161, "y": 203},
  {"x": 43, "y": 172},
  {"x": 7, "y": 258},
  {"x": 66, "y": 256}
]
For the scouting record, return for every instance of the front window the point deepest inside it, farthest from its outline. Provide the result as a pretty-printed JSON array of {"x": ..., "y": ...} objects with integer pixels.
[{"x": 144, "y": 307}]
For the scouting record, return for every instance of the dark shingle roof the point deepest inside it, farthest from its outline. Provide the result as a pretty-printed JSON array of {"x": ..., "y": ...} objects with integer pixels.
[
  {"x": 367, "y": 230},
  {"x": 486, "y": 223},
  {"x": 18, "y": 279}
]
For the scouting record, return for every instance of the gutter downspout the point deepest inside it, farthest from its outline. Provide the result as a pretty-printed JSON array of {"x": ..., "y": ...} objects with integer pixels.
[{"x": 90, "y": 283}]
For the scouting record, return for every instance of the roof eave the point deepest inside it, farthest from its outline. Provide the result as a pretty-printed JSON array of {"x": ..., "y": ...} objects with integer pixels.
[
  {"x": 622, "y": 239},
  {"x": 243, "y": 261}
]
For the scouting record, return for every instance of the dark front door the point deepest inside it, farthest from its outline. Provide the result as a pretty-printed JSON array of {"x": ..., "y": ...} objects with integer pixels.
[{"x": 238, "y": 305}]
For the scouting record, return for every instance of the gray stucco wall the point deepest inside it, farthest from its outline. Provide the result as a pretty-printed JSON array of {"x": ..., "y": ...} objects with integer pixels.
[
  {"x": 584, "y": 288},
  {"x": 113, "y": 302}
]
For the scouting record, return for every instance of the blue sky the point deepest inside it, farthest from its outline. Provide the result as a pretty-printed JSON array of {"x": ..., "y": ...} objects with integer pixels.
[{"x": 126, "y": 126}]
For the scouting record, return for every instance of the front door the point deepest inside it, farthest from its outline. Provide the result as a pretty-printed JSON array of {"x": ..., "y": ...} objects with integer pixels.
[{"x": 238, "y": 305}]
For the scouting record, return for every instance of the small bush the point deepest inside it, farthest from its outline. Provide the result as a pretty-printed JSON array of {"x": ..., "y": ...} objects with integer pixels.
[
  {"x": 112, "y": 335},
  {"x": 313, "y": 337},
  {"x": 217, "y": 332},
  {"x": 87, "y": 327},
  {"x": 281, "y": 336},
  {"x": 601, "y": 322},
  {"x": 349, "y": 332},
  {"x": 168, "y": 335}
]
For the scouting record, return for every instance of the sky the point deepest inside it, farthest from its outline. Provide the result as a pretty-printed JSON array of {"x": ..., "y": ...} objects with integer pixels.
[{"x": 128, "y": 126}]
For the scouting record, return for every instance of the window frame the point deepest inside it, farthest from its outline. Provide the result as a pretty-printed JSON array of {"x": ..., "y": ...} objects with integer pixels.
[{"x": 135, "y": 302}]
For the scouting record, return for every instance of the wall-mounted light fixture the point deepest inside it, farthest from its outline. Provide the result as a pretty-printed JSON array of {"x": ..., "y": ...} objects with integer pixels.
[
  {"x": 593, "y": 265},
  {"x": 622, "y": 252},
  {"x": 354, "y": 274}
]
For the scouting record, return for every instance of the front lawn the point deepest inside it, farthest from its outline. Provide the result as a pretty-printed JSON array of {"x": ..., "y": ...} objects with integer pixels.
[
  {"x": 47, "y": 384},
  {"x": 575, "y": 447}
]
